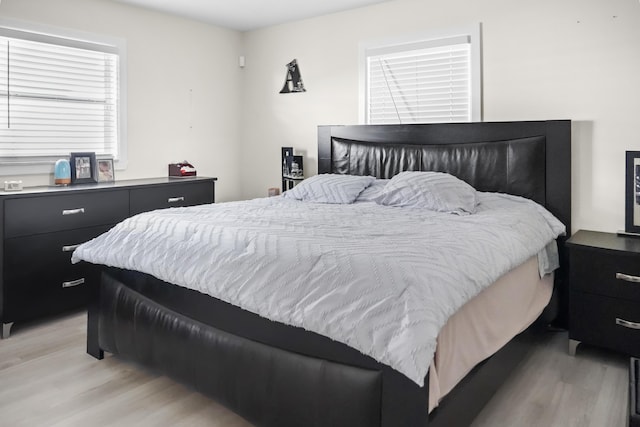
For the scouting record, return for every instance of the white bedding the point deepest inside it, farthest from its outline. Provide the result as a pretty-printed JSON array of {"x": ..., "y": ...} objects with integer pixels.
[{"x": 383, "y": 280}]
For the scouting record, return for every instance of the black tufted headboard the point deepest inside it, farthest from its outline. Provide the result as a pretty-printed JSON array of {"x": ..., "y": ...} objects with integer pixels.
[
  {"x": 529, "y": 159},
  {"x": 515, "y": 166}
]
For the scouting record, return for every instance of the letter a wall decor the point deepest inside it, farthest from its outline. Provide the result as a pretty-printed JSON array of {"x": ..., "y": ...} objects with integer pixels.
[{"x": 293, "y": 80}]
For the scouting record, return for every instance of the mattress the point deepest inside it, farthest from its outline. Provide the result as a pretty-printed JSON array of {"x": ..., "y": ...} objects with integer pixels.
[{"x": 485, "y": 324}]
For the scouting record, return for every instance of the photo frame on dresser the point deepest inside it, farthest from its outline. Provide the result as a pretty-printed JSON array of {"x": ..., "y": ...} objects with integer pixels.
[
  {"x": 83, "y": 168},
  {"x": 632, "y": 193},
  {"x": 105, "y": 170}
]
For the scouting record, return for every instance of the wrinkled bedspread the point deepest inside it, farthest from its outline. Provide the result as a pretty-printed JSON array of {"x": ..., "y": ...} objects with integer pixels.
[{"x": 383, "y": 280}]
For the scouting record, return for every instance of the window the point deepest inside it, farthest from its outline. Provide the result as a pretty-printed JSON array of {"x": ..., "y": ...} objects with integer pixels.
[
  {"x": 58, "y": 95},
  {"x": 436, "y": 79}
]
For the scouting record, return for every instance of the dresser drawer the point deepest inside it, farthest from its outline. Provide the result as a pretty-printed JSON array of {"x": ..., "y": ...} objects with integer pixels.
[
  {"x": 45, "y": 254},
  {"x": 171, "y": 195},
  {"x": 39, "y": 278},
  {"x": 609, "y": 273},
  {"x": 57, "y": 282},
  {"x": 33, "y": 215},
  {"x": 604, "y": 321},
  {"x": 28, "y": 298}
]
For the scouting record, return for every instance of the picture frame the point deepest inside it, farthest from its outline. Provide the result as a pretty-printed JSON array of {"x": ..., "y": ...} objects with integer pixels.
[
  {"x": 83, "y": 168},
  {"x": 632, "y": 193},
  {"x": 286, "y": 159},
  {"x": 105, "y": 170}
]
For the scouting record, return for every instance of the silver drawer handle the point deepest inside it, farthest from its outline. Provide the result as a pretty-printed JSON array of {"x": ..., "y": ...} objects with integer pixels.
[
  {"x": 627, "y": 324},
  {"x": 175, "y": 199},
  {"x": 70, "y": 248},
  {"x": 628, "y": 277},
  {"x": 73, "y": 283},
  {"x": 72, "y": 211}
]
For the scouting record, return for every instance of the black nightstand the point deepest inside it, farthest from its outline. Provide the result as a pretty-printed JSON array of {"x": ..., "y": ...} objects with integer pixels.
[{"x": 604, "y": 301}]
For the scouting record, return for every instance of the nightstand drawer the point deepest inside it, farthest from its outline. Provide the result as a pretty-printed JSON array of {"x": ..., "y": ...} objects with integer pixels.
[
  {"x": 610, "y": 273},
  {"x": 173, "y": 195},
  {"x": 604, "y": 321},
  {"x": 32, "y": 215}
]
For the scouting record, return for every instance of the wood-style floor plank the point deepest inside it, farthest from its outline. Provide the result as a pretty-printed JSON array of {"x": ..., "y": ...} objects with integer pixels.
[
  {"x": 47, "y": 379},
  {"x": 552, "y": 389}
]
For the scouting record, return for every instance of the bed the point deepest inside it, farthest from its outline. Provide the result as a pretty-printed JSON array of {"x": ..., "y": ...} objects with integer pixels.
[{"x": 274, "y": 374}]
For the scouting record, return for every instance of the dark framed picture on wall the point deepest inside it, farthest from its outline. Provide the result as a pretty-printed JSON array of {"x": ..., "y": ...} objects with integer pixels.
[
  {"x": 83, "y": 168},
  {"x": 632, "y": 193}
]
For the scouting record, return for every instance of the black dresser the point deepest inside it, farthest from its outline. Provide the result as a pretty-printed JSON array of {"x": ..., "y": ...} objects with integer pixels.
[
  {"x": 41, "y": 226},
  {"x": 604, "y": 302}
]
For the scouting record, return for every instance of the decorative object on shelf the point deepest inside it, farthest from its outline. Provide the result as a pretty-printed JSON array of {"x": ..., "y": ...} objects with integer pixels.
[
  {"x": 182, "y": 169},
  {"x": 292, "y": 172},
  {"x": 287, "y": 158},
  {"x": 13, "y": 186},
  {"x": 632, "y": 195},
  {"x": 273, "y": 191},
  {"x": 83, "y": 168},
  {"x": 106, "y": 171},
  {"x": 62, "y": 172},
  {"x": 296, "y": 167},
  {"x": 293, "y": 80}
]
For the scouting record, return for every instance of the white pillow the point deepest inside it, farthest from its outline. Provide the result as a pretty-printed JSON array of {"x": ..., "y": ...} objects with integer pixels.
[
  {"x": 330, "y": 188},
  {"x": 434, "y": 191}
]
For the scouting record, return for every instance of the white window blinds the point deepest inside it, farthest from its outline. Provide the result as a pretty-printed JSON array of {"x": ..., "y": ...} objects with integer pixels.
[
  {"x": 56, "y": 96},
  {"x": 421, "y": 82}
]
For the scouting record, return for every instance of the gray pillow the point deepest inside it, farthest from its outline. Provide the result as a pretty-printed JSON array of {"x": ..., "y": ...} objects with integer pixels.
[
  {"x": 330, "y": 188},
  {"x": 434, "y": 191},
  {"x": 371, "y": 192}
]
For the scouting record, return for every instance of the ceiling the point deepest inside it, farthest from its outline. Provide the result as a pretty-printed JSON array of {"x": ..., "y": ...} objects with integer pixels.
[{"x": 245, "y": 15}]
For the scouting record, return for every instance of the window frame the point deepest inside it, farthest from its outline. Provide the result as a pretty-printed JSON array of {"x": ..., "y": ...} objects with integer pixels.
[
  {"x": 71, "y": 38},
  {"x": 421, "y": 40}
]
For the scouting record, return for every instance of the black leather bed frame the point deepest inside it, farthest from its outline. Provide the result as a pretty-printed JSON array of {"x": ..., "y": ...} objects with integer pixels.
[{"x": 277, "y": 375}]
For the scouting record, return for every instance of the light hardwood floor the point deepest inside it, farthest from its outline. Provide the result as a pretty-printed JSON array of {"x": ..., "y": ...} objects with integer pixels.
[{"x": 47, "y": 379}]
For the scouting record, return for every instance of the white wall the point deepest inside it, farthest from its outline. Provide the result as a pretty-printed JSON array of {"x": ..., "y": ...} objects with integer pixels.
[
  {"x": 548, "y": 59},
  {"x": 545, "y": 59},
  {"x": 183, "y": 80}
]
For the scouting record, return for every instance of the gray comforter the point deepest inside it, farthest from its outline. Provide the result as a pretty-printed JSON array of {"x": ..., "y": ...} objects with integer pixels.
[{"x": 383, "y": 280}]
